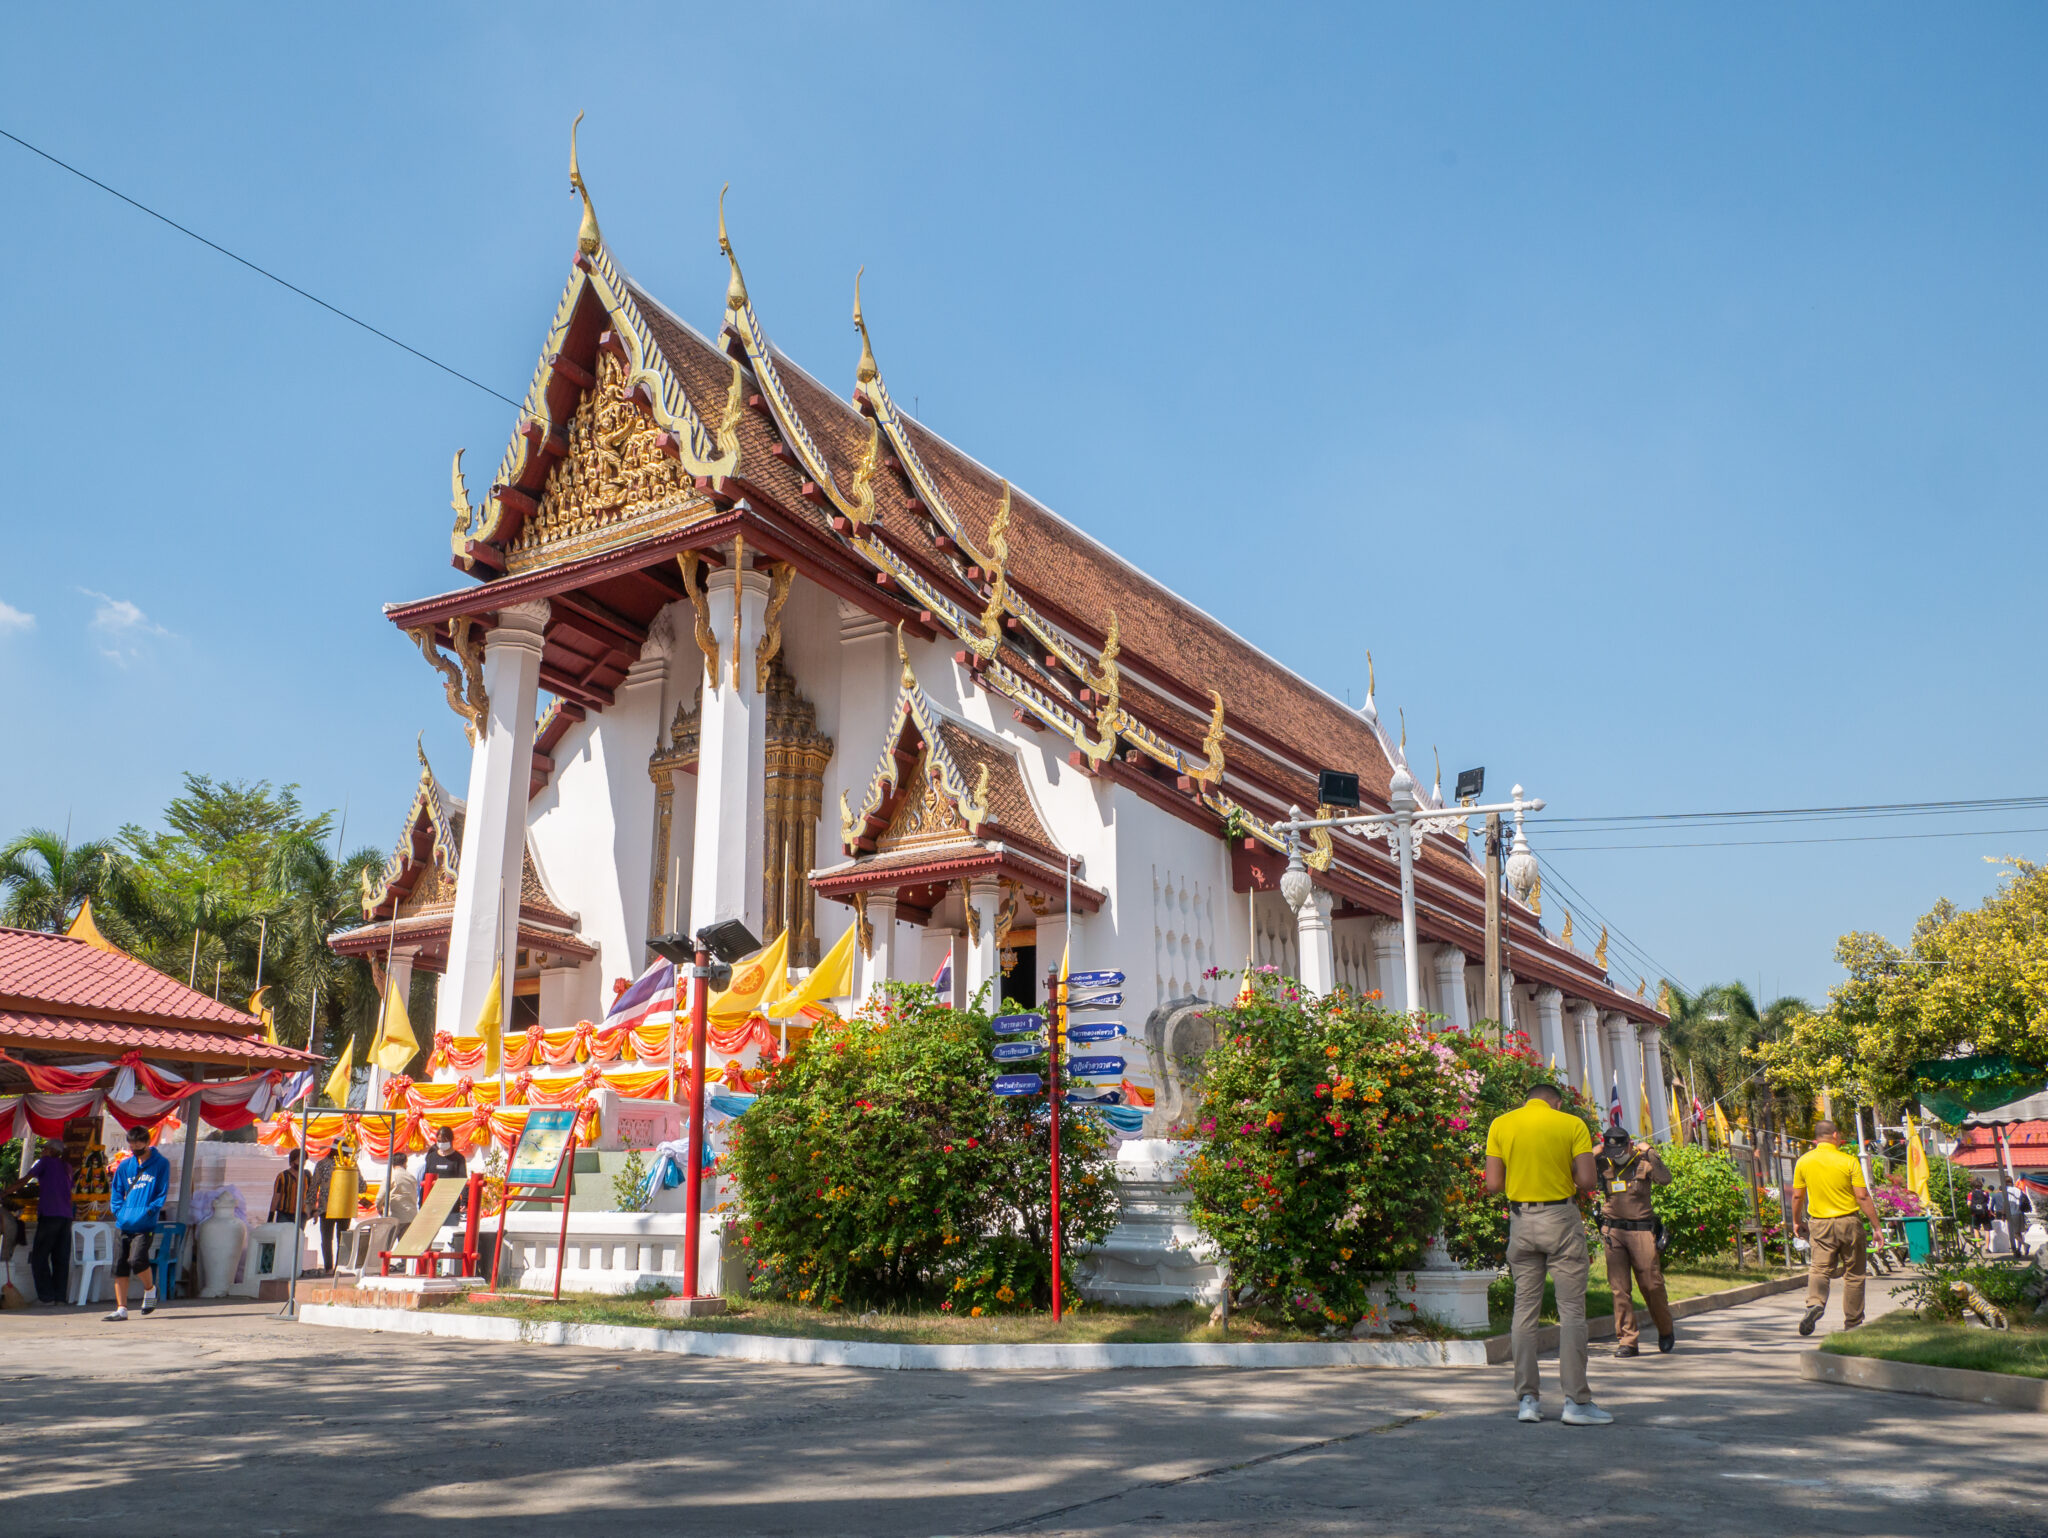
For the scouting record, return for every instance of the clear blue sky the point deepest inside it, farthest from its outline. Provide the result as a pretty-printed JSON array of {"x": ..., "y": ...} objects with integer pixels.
[{"x": 1656, "y": 391}]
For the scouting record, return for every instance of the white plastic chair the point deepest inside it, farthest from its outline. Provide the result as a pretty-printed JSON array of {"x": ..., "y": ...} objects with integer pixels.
[{"x": 92, "y": 1259}]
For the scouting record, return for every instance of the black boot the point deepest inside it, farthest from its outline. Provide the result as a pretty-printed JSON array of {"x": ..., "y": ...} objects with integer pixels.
[{"x": 1627, "y": 1351}]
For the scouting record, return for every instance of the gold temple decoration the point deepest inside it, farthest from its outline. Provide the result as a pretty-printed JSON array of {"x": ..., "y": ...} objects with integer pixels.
[
  {"x": 466, "y": 518},
  {"x": 1642, "y": 987},
  {"x": 794, "y": 764},
  {"x": 729, "y": 424},
  {"x": 1322, "y": 851},
  {"x": 1106, "y": 680},
  {"x": 1404, "y": 733},
  {"x": 903, "y": 656},
  {"x": 1663, "y": 997},
  {"x": 615, "y": 471},
  {"x": 1567, "y": 935},
  {"x": 862, "y": 510},
  {"x": 1211, "y": 771},
  {"x": 451, "y": 681},
  {"x": 991, "y": 638},
  {"x": 739, "y": 572},
  {"x": 700, "y": 605},
  {"x": 866, "y": 372},
  {"x": 782, "y": 576},
  {"x": 1006, "y": 918},
  {"x": 1536, "y": 896},
  {"x": 867, "y": 929},
  {"x": 975, "y": 807},
  {"x": 1600, "y": 950},
  {"x": 973, "y": 913},
  {"x": 735, "y": 290},
  {"x": 587, "y": 238}
]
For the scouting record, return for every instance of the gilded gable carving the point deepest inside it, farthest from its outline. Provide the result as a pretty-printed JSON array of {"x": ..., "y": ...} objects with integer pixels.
[
  {"x": 927, "y": 816},
  {"x": 614, "y": 473}
]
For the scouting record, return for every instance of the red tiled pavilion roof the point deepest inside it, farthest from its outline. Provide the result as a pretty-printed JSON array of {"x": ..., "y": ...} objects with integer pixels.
[
  {"x": 107, "y": 1038},
  {"x": 56, "y": 977}
]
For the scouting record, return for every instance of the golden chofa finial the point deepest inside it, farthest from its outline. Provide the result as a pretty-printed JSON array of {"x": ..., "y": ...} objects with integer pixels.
[
  {"x": 736, "y": 289},
  {"x": 1600, "y": 950},
  {"x": 1567, "y": 935},
  {"x": 867, "y": 373},
  {"x": 903, "y": 656},
  {"x": 587, "y": 237}
]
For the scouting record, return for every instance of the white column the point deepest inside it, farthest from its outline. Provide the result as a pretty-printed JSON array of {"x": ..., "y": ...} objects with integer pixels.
[
  {"x": 494, "y": 824},
  {"x": 1653, "y": 1075},
  {"x": 561, "y": 989},
  {"x": 731, "y": 769},
  {"x": 881, "y": 957},
  {"x": 1550, "y": 1038},
  {"x": 1316, "y": 954},
  {"x": 1615, "y": 1042},
  {"x": 1591, "y": 1065},
  {"x": 982, "y": 962},
  {"x": 1450, "y": 986},
  {"x": 624, "y": 738},
  {"x": 1387, "y": 964}
]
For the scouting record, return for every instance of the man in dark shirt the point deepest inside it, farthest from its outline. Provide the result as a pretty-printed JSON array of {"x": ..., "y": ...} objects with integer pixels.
[
  {"x": 1628, "y": 1223},
  {"x": 49, "y": 1257},
  {"x": 444, "y": 1163}
]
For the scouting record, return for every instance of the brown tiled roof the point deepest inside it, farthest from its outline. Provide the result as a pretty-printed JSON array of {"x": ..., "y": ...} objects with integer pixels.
[
  {"x": 1011, "y": 814},
  {"x": 70, "y": 1034},
  {"x": 57, "y": 975}
]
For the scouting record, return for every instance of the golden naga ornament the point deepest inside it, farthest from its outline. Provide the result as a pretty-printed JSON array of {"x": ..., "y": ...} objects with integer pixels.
[
  {"x": 782, "y": 576},
  {"x": 1536, "y": 895},
  {"x": 587, "y": 237},
  {"x": 1663, "y": 997},
  {"x": 990, "y": 641},
  {"x": 691, "y": 563},
  {"x": 1105, "y": 680},
  {"x": 1567, "y": 935},
  {"x": 1321, "y": 851},
  {"x": 1600, "y": 950},
  {"x": 736, "y": 289},
  {"x": 1210, "y": 772}
]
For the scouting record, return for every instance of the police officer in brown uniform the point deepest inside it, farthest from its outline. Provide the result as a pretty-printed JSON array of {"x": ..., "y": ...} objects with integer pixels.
[{"x": 1628, "y": 1223}]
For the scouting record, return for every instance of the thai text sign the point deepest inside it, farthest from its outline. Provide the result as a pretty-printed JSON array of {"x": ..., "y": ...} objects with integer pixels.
[{"x": 537, "y": 1160}]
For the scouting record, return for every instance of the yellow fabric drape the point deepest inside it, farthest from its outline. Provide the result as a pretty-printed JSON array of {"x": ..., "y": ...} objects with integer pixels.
[
  {"x": 1916, "y": 1162},
  {"x": 395, "y": 1045},
  {"x": 490, "y": 1022},
  {"x": 337, "y": 1081}
]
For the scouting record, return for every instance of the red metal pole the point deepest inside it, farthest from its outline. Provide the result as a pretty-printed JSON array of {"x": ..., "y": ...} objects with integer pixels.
[
  {"x": 1059, "y": 1027},
  {"x": 472, "y": 1215},
  {"x": 694, "y": 1175},
  {"x": 568, "y": 1190}
]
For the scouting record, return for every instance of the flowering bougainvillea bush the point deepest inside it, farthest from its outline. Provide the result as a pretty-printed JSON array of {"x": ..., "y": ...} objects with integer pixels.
[
  {"x": 876, "y": 1170},
  {"x": 1330, "y": 1134},
  {"x": 1704, "y": 1204}
]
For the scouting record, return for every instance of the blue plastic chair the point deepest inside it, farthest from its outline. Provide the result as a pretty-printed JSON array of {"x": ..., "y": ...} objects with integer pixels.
[{"x": 170, "y": 1244}]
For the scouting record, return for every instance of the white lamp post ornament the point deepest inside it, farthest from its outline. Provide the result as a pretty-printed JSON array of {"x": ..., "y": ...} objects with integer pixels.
[{"x": 1401, "y": 825}]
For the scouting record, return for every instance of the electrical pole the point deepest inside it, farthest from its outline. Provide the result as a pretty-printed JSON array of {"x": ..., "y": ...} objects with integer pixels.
[{"x": 1493, "y": 967}]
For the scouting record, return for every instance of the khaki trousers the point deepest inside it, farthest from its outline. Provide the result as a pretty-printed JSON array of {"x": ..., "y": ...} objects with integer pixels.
[
  {"x": 1635, "y": 1251},
  {"x": 1838, "y": 1248},
  {"x": 1550, "y": 1240}
]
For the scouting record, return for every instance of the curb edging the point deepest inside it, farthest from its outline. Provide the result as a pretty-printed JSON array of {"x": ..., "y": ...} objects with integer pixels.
[
  {"x": 804, "y": 1351},
  {"x": 2004, "y": 1391},
  {"x": 1500, "y": 1348}
]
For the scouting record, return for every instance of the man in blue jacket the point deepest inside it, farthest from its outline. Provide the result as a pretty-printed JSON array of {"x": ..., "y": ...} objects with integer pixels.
[{"x": 141, "y": 1182}]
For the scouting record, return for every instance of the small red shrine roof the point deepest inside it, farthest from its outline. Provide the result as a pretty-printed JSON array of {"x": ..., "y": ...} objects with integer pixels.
[
  {"x": 2027, "y": 1139},
  {"x": 56, "y": 975}
]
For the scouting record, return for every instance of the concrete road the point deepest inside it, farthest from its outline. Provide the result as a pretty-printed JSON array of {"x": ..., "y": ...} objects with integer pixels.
[{"x": 212, "y": 1419}]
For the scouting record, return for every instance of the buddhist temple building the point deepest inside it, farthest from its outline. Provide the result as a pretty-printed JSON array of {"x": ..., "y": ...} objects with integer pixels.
[{"x": 731, "y": 642}]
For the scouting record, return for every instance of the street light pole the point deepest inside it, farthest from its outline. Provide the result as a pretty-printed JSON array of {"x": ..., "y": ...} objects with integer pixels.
[{"x": 1401, "y": 826}]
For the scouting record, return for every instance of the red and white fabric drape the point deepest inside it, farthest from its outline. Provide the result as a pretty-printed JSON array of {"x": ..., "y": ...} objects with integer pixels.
[{"x": 133, "y": 1092}]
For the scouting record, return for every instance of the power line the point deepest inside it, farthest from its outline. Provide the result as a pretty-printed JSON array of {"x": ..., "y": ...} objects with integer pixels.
[
  {"x": 214, "y": 245},
  {"x": 1841, "y": 838},
  {"x": 1614, "y": 933},
  {"x": 1618, "y": 821}
]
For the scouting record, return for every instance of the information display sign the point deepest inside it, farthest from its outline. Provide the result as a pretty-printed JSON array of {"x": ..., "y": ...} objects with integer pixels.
[
  {"x": 1084, "y": 1067},
  {"x": 1017, "y": 1051},
  {"x": 537, "y": 1160},
  {"x": 1096, "y": 1030},
  {"x": 1018, "y": 1084},
  {"x": 1016, "y": 1025}
]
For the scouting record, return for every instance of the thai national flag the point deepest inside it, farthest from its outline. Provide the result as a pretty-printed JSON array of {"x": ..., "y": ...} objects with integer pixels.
[
  {"x": 1614, "y": 1100},
  {"x": 650, "y": 1001},
  {"x": 296, "y": 1088},
  {"x": 942, "y": 980}
]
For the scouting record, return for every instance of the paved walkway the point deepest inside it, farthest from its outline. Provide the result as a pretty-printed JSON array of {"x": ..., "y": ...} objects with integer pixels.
[{"x": 220, "y": 1419}]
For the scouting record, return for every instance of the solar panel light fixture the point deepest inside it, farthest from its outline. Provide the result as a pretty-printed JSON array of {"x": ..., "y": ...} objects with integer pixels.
[
  {"x": 1471, "y": 783},
  {"x": 1335, "y": 788}
]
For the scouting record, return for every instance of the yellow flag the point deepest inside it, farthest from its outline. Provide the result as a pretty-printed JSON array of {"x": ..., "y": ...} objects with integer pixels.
[
  {"x": 1916, "y": 1162},
  {"x": 337, "y": 1081},
  {"x": 395, "y": 1044},
  {"x": 1721, "y": 1123},
  {"x": 83, "y": 928},
  {"x": 831, "y": 978},
  {"x": 1643, "y": 1118},
  {"x": 490, "y": 1023},
  {"x": 759, "y": 980},
  {"x": 1677, "y": 1116},
  {"x": 262, "y": 1012}
]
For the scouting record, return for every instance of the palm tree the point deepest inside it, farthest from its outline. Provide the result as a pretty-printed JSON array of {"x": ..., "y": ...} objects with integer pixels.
[
  {"x": 46, "y": 877},
  {"x": 1712, "y": 1034},
  {"x": 313, "y": 894}
]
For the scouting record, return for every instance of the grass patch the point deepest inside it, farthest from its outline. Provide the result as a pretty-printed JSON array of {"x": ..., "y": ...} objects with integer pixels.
[
  {"x": 1698, "y": 1279},
  {"x": 1907, "y": 1337},
  {"x": 753, "y": 1316}
]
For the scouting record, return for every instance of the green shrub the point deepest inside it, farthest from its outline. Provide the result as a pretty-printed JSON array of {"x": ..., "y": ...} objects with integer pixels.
[
  {"x": 1331, "y": 1133},
  {"x": 629, "y": 1186},
  {"x": 876, "y": 1169},
  {"x": 1704, "y": 1205}
]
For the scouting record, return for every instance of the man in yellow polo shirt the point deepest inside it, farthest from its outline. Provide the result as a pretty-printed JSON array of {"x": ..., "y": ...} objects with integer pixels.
[
  {"x": 1829, "y": 1203},
  {"x": 1541, "y": 1158}
]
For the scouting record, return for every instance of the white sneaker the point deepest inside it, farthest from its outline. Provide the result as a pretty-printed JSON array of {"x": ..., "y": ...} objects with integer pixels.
[
  {"x": 1587, "y": 1414},
  {"x": 116, "y": 1315},
  {"x": 149, "y": 1301},
  {"x": 1531, "y": 1411}
]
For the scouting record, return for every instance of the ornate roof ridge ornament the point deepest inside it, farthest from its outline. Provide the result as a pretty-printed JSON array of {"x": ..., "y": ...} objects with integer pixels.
[
  {"x": 1600, "y": 950},
  {"x": 736, "y": 286},
  {"x": 1566, "y": 936},
  {"x": 587, "y": 237},
  {"x": 466, "y": 517},
  {"x": 866, "y": 371},
  {"x": 990, "y": 641}
]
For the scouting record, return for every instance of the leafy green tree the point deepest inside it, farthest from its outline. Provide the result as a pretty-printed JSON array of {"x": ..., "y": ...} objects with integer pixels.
[
  {"x": 1715, "y": 1035},
  {"x": 1972, "y": 981},
  {"x": 1704, "y": 1205},
  {"x": 311, "y": 894},
  {"x": 46, "y": 877}
]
